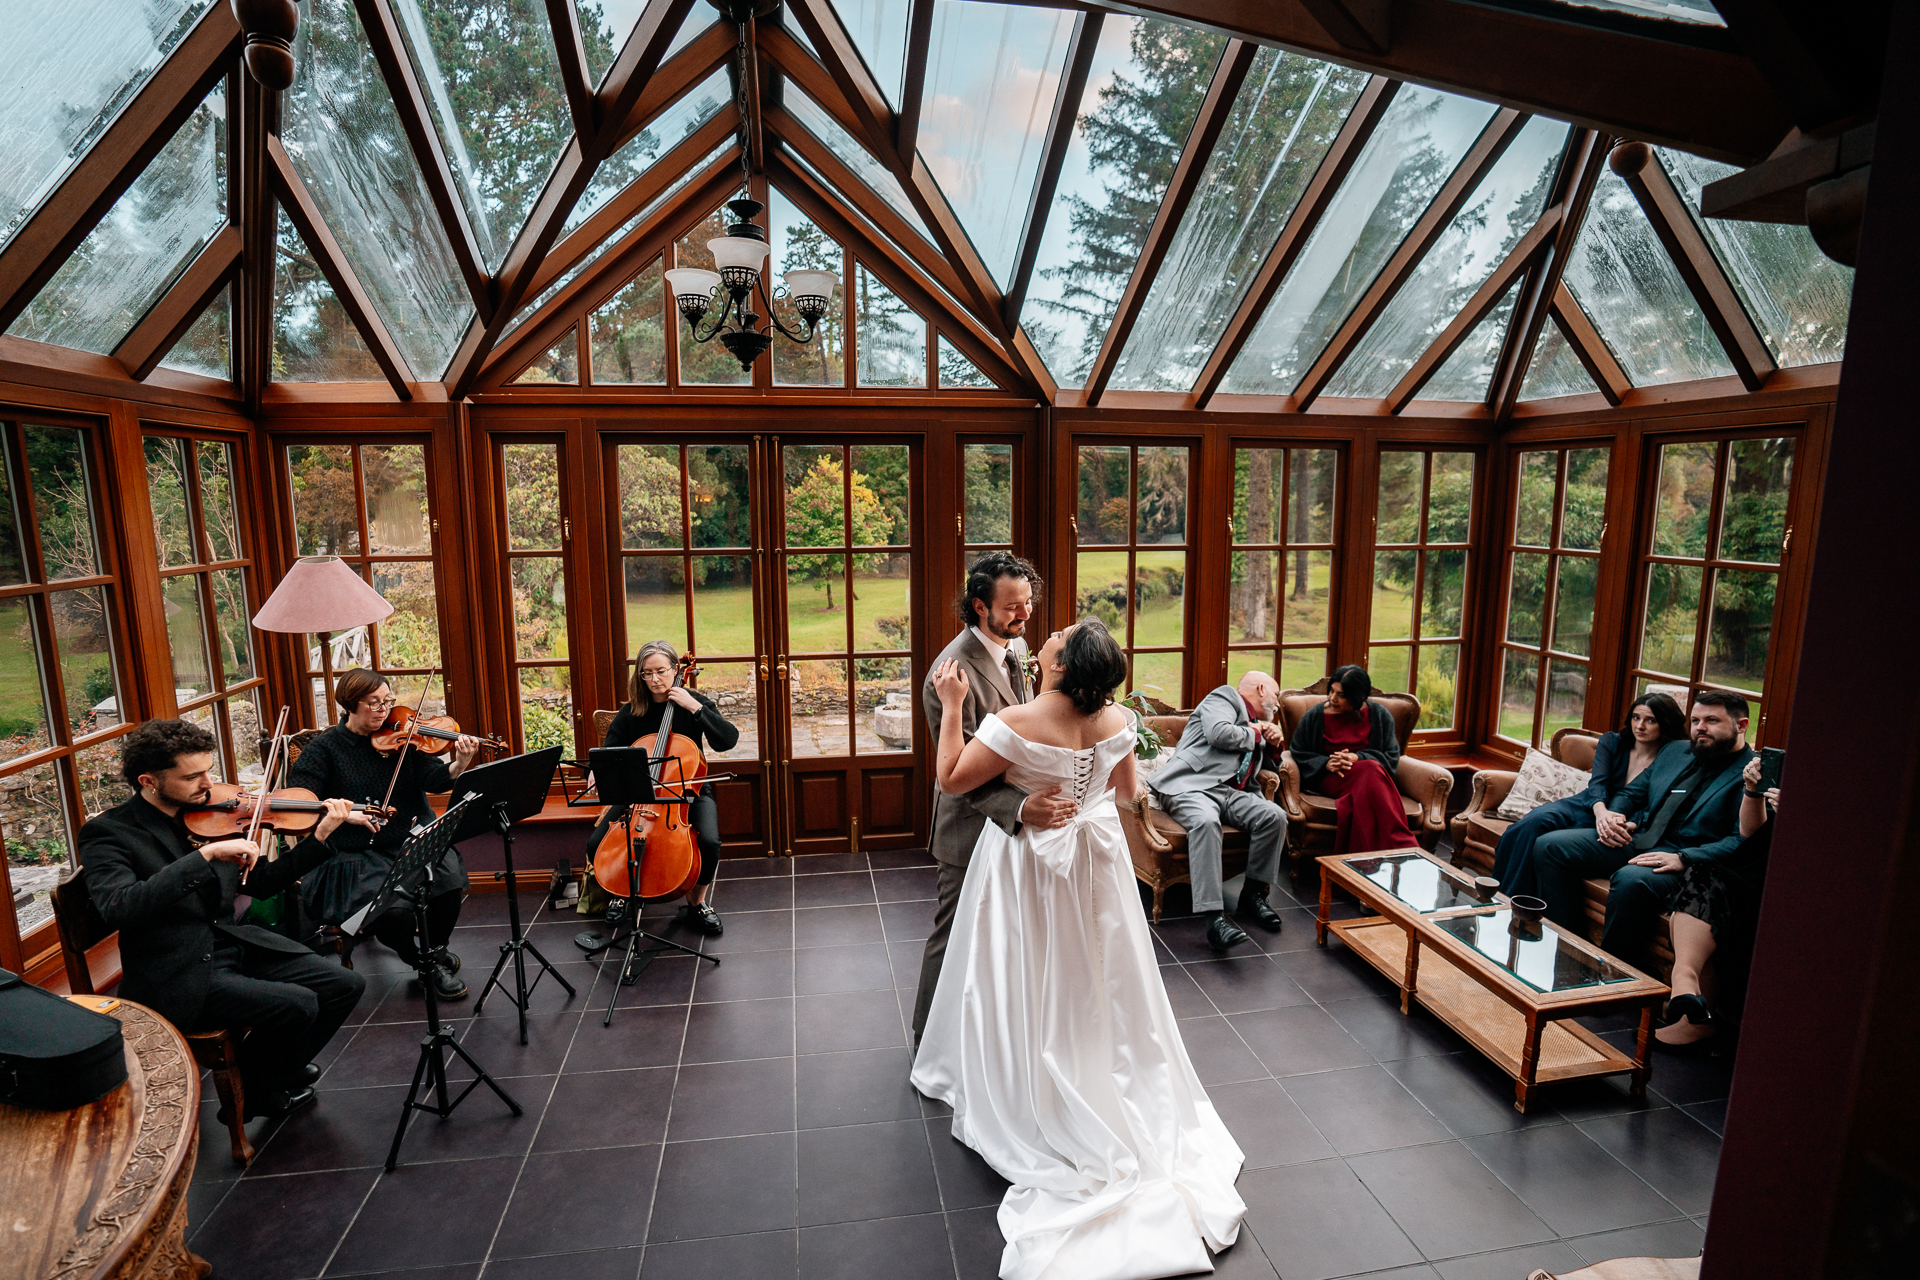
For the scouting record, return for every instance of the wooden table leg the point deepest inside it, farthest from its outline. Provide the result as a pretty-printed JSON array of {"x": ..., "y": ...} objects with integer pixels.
[
  {"x": 1642, "y": 1060},
  {"x": 1326, "y": 906},
  {"x": 1413, "y": 972},
  {"x": 1529, "y": 1064}
]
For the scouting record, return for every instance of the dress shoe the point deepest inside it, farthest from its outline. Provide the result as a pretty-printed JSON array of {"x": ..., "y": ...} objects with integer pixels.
[
  {"x": 1255, "y": 907},
  {"x": 446, "y": 984},
  {"x": 1223, "y": 933},
  {"x": 453, "y": 961},
  {"x": 704, "y": 918},
  {"x": 1686, "y": 1005},
  {"x": 271, "y": 1103},
  {"x": 307, "y": 1075}
]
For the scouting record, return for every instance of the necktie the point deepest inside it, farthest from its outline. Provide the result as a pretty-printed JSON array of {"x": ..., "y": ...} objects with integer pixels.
[
  {"x": 1683, "y": 786},
  {"x": 1016, "y": 678}
]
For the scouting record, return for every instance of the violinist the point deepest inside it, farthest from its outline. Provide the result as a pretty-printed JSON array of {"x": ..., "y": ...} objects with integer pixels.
[
  {"x": 655, "y": 685},
  {"x": 343, "y": 761},
  {"x": 181, "y": 951}
]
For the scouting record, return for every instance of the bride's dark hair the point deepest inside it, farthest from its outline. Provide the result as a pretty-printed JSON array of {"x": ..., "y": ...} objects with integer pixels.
[{"x": 1094, "y": 665}]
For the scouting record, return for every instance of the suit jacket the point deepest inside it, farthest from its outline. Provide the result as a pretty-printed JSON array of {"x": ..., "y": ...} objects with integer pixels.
[
  {"x": 1310, "y": 747},
  {"x": 1610, "y": 756},
  {"x": 958, "y": 820},
  {"x": 173, "y": 907},
  {"x": 1213, "y": 748},
  {"x": 1710, "y": 829}
]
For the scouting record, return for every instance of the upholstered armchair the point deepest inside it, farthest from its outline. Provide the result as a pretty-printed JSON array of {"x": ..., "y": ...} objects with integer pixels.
[
  {"x": 1477, "y": 828},
  {"x": 1311, "y": 821},
  {"x": 1159, "y": 844}
]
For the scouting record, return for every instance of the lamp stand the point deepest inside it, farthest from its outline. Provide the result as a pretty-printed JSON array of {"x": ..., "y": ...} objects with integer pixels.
[{"x": 326, "y": 674}]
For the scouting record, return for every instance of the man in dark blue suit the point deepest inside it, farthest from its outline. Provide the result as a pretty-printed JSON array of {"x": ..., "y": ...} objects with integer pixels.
[{"x": 1683, "y": 809}]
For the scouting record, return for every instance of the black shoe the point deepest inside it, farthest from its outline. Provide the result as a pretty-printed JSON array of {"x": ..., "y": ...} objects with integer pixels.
[
  {"x": 704, "y": 918},
  {"x": 1223, "y": 933},
  {"x": 1255, "y": 907},
  {"x": 592, "y": 943},
  {"x": 616, "y": 911},
  {"x": 1686, "y": 1005},
  {"x": 307, "y": 1075},
  {"x": 272, "y": 1105},
  {"x": 446, "y": 985},
  {"x": 453, "y": 961}
]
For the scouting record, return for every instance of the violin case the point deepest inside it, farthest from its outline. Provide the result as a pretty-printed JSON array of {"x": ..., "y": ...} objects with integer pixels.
[{"x": 55, "y": 1055}]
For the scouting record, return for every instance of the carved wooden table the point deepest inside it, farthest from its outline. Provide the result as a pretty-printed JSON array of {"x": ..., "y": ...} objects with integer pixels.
[{"x": 101, "y": 1191}]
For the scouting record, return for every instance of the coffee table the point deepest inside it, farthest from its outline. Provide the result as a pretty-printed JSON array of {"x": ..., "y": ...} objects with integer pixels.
[{"x": 1509, "y": 987}]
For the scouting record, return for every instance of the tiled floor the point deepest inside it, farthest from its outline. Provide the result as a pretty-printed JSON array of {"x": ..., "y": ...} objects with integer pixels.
[{"x": 754, "y": 1120}]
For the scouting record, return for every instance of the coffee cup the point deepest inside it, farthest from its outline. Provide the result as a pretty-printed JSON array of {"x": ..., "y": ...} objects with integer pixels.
[
  {"x": 1484, "y": 887},
  {"x": 1527, "y": 908}
]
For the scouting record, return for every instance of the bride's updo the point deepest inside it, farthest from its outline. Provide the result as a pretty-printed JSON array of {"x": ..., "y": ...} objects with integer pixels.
[{"x": 1093, "y": 665}]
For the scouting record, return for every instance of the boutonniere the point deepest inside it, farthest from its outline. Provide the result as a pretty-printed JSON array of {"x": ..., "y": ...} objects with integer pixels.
[{"x": 1030, "y": 664}]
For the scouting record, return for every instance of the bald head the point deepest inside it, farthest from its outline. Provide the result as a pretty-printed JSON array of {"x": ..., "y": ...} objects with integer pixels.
[{"x": 1261, "y": 690}]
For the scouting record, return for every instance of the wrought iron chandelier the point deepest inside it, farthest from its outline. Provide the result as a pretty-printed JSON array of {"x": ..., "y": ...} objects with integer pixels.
[{"x": 741, "y": 254}]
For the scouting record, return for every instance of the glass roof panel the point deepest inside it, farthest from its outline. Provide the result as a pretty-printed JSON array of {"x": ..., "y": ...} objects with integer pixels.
[
  {"x": 993, "y": 73},
  {"x": 629, "y": 333},
  {"x": 206, "y": 348},
  {"x": 1795, "y": 293},
  {"x": 491, "y": 77},
  {"x": 1144, "y": 89},
  {"x": 1467, "y": 374},
  {"x": 1503, "y": 209},
  {"x": 849, "y": 152},
  {"x": 606, "y": 24},
  {"x": 891, "y": 337},
  {"x": 795, "y": 245},
  {"x": 151, "y": 235},
  {"x": 1410, "y": 156},
  {"x": 313, "y": 338},
  {"x": 1630, "y": 289},
  {"x": 1554, "y": 369},
  {"x": 1701, "y": 12},
  {"x": 66, "y": 70},
  {"x": 879, "y": 31},
  {"x": 660, "y": 136},
  {"x": 1286, "y": 116},
  {"x": 958, "y": 371},
  {"x": 347, "y": 142}
]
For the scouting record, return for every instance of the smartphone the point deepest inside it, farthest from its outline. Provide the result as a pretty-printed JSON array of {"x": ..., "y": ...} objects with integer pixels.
[{"x": 1771, "y": 758}]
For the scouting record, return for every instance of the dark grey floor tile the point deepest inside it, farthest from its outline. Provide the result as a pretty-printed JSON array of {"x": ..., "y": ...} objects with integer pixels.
[
  {"x": 884, "y": 859},
  {"x": 465, "y": 1271},
  {"x": 203, "y": 1198},
  {"x": 732, "y": 1099},
  {"x": 848, "y": 1020},
  {"x": 668, "y": 980},
  {"x": 1299, "y": 1039},
  {"x": 1296, "y": 930},
  {"x": 823, "y": 970},
  {"x": 344, "y": 1129},
  {"x": 739, "y": 1029},
  {"x": 495, "y": 1043},
  {"x": 754, "y": 930},
  {"x": 1673, "y": 1152},
  {"x": 1683, "y": 1080},
  {"x": 1185, "y": 995},
  {"x": 281, "y": 1228},
  {"x": 966, "y": 1181},
  {"x": 381, "y": 1053},
  {"x": 1334, "y": 973},
  {"x": 1584, "y": 1099},
  {"x": 1317, "y": 1220},
  {"x": 837, "y": 926},
  {"x": 977, "y": 1243},
  {"x": 768, "y": 893},
  {"x": 907, "y": 884},
  {"x": 1682, "y": 1239},
  {"x": 887, "y": 1249},
  {"x": 607, "y": 1109},
  {"x": 607, "y": 1209},
  {"x": 1219, "y": 1055},
  {"x": 1390, "y": 1035},
  {"x": 1570, "y": 1181},
  {"x": 1508, "y": 1264},
  {"x": 906, "y": 958},
  {"x": 418, "y": 1216},
  {"x": 744, "y": 868},
  {"x": 1243, "y": 1260},
  {"x": 752, "y": 975},
  {"x": 906, "y": 921},
  {"x": 745, "y": 1185},
  {"x": 1269, "y": 1126},
  {"x": 865, "y": 1171},
  {"x": 856, "y": 1088},
  {"x": 378, "y": 985},
  {"x": 808, "y": 864},
  {"x": 647, "y": 1036},
  {"x": 846, "y": 890},
  {"x": 1363, "y": 1109},
  {"x": 602, "y": 1264},
  {"x": 1245, "y": 982},
  {"x": 770, "y": 1255},
  {"x": 1185, "y": 938},
  {"x": 1447, "y": 1201},
  {"x": 482, "y": 1125},
  {"x": 1711, "y": 1114},
  {"x": 1468, "y": 1094}
]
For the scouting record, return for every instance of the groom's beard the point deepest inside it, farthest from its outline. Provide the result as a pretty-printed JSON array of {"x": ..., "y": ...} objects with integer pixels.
[{"x": 1005, "y": 631}]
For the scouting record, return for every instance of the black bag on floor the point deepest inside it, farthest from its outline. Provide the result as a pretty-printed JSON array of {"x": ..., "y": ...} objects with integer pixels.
[{"x": 55, "y": 1055}]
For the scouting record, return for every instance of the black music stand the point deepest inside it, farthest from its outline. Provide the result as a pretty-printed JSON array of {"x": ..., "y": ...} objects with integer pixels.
[
  {"x": 509, "y": 790},
  {"x": 625, "y": 776},
  {"x": 422, "y": 851}
]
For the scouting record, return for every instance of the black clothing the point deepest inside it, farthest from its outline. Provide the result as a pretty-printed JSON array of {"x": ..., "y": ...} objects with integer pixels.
[
  {"x": 1310, "y": 748},
  {"x": 1679, "y": 801},
  {"x": 291, "y": 1004},
  {"x": 1725, "y": 893},
  {"x": 705, "y": 727}
]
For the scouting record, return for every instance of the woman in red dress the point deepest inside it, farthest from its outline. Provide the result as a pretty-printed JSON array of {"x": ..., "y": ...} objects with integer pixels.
[{"x": 1346, "y": 748}]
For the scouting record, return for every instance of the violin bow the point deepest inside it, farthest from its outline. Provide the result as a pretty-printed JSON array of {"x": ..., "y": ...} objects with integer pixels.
[
  {"x": 266, "y": 784},
  {"x": 406, "y": 742}
]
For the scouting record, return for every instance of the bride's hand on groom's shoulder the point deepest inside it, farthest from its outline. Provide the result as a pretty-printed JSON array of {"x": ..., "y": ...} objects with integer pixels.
[{"x": 950, "y": 684}]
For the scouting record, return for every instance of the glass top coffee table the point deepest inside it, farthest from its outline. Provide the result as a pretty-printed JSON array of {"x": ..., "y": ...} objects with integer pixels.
[{"x": 1510, "y": 986}]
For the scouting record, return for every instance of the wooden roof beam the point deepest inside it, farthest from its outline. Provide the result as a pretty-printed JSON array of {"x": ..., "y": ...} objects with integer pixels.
[
  {"x": 906, "y": 130},
  {"x": 571, "y": 47},
  {"x": 1588, "y": 346},
  {"x": 753, "y": 126},
  {"x": 680, "y": 75},
  {"x": 842, "y": 61},
  {"x": 1066, "y": 110},
  {"x": 144, "y": 348}
]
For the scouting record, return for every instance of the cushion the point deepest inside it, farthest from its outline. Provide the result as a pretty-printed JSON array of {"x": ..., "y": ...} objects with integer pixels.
[{"x": 1542, "y": 780}]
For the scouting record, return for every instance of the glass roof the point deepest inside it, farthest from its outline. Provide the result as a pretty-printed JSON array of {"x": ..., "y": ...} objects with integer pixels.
[
  {"x": 661, "y": 135},
  {"x": 813, "y": 117},
  {"x": 1554, "y": 370},
  {"x": 206, "y": 348},
  {"x": 879, "y": 32},
  {"x": 1467, "y": 374},
  {"x": 605, "y": 26}
]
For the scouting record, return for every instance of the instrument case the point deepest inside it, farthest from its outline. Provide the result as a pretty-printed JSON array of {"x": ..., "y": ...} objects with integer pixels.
[{"x": 55, "y": 1055}]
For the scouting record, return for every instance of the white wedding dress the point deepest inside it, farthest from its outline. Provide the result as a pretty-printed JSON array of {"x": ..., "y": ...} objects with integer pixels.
[{"x": 1051, "y": 1038}]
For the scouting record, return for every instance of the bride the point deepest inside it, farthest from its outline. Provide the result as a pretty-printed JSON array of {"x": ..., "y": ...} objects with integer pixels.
[{"x": 1050, "y": 1034}]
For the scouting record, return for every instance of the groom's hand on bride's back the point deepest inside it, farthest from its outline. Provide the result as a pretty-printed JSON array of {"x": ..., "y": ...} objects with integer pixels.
[{"x": 1048, "y": 808}]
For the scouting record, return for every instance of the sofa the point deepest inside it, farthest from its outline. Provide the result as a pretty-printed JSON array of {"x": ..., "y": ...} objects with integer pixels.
[
  {"x": 1158, "y": 844},
  {"x": 1311, "y": 821}
]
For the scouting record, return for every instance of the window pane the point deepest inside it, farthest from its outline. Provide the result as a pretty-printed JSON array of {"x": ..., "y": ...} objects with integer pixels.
[
  {"x": 881, "y": 470},
  {"x": 1100, "y": 589},
  {"x": 817, "y": 708},
  {"x": 1398, "y": 515},
  {"x": 559, "y": 363},
  {"x": 1301, "y": 667},
  {"x": 1450, "y": 504},
  {"x": 1554, "y": 370},
  {"x": 1533, "y": 519},
  {"x": 853, "y": 155},
  {"x": 816, "y": 497},
  {"x": 1416, "y": 147},
  {"x": 650, "y": 496},
  {"x": 1467, "y": 374},
  {"x": 1311, "y": 500},
  {"x": 718, "y": 489},
  {"x": 532, "y": 476},
  {"x": 664, "y": 132},
  {"x": 217, "y": 514},
  {"x": 23, "y": 704},
  {"x": 606, "y": 26},
  {"x": 890, "y": 337},
  {"x": 879, "y": 32},
  {"x": 233, "y": 634},
  {"x": 101, "y": 786},
  {"x": 1162, "y": 496},
  {"x": 1446, "y": 584},
  {"x": 1517, "y": 693},
  {"x": 989, "y": 489},
  {"x": 539, "y": 608},
  {"x": 186, "y": 635},
  {"x": 1439, "y": 664},
  {"x": 396, "y": 483},
  {"x": 732, "y": 685},
  {"x": 410, "y": 637},
  {"x": 1160, "y": 586},
  {"x": 817, "y": 604},
  {"x": 1389, "y": 668},
  {"x": 1393, "y": 578},
  {"x": 208, "y": 718},
  {"x": 146, "y": 240},
  {"x": 546, "y": 708},
  {"x": 13, "y": 565},
  {"x": 1673, "y": 610},
  {"x": 1741, "y": 628},
  {"x": 1159, "y": 675},
  {"x": 324, "y": 520},
  {"x": 1258, "y": 493},
  {"x": 1526, "y": 598},
  {"x": 167, "y": 493},
  {"x": 629, "y": 333},
  {"x": 62, "y": 501},
  {"x": 243, "y": 714},
  {"x": 33, "y": 821},
  {"x": 1753, "y": 517},
  {"x": 1685, "y": 501},
  {"x": 723, "y": 605},
  {"x": 1287, "y": 113},
  {"x": 1584, "y": 511},
  {"x": 1566, "y": 696},
  {"x": 1104, "y": 514},
  {"x": 883, "y": 705},
  {"x": 1573, "y": 610},
  {"x": 656, "y": 602},
  {"x": 314, "y": 340},
  {"x": 206, "y": 348},
  {"x": 1253, "y": 613},
  {"x": 1307, "y": 606},
  {"x": 799, "y": 245},
  {"x": 958, "y": 372}
]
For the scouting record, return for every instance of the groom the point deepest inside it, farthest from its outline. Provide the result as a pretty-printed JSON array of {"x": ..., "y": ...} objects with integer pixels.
[{"x": 994, "y": 611}]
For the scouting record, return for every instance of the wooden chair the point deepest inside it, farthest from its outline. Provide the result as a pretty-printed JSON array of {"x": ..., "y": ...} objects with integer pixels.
[
  {"x": 80, "y": 926},
  {"x": 1312, "y": 819},
  {"x": 1158, "y": 844}
]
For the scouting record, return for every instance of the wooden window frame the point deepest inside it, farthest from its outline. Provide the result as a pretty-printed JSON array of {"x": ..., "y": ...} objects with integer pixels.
[
  {"x": 1421, "y": 546},
  {"x": 1278, "y": 648}
]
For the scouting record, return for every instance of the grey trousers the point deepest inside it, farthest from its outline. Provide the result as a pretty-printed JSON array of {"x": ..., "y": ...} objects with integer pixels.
[
  {"x": 1202, "y": 813},
  {"x": 951, "y": 878}
]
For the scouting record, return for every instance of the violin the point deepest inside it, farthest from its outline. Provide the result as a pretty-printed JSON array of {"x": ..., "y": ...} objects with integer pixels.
[
  {"x": 671, "y": 866},
  {"x": 430, "y": 735},
  {"x": 290, "y": 811}
]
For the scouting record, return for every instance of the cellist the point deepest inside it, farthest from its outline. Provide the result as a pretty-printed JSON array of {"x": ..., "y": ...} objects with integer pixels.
[{"x": 653, "y": 687}]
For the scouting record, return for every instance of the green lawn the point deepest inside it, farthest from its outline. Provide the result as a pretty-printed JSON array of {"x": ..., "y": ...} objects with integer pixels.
[{"x": 723, "y": 617}]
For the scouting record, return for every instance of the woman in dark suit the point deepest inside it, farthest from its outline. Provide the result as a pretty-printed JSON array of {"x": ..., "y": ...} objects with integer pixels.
[
  {"x": 1346, "y": 748},
  {"x": 1653, "y": 720}
]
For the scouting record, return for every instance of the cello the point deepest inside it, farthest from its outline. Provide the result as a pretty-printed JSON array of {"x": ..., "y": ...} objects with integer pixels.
[{"x": 671, "y": 866}]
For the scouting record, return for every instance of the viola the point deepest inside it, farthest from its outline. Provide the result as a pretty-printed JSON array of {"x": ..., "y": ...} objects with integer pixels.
[
  {"x": 431, "y": 735},
  {"x": 671, "y": 866},
  {"x": 230, "y": 812}
]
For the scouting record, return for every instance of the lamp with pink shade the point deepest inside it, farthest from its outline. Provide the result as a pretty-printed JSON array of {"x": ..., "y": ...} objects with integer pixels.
[{"x": 321, "y": 595}]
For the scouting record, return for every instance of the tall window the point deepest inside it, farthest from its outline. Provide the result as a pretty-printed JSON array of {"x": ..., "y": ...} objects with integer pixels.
[
  {"x": 60, "y": 707},
  {"x": 536, "y": 574},
  {"x": 986, "y": 479},
  {"x": 367, "y": 504},
  {"x": 1713, "y": 567},
  {"x": 203, "y": 582},
  {"x": 1553, "y": 565},
  {"x": 1280, "y": 605},
  {"x": 686, "y": 554},
  {"x": 1131, "y": 567},
  {"x": 1420, "y": 537}
]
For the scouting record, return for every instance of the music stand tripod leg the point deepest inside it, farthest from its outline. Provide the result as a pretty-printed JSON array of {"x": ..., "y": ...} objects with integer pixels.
[{"x": 516, "y": 944}]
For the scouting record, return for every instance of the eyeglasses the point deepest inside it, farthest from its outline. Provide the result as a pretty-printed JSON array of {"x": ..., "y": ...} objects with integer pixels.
[
  {"x": 379, "y": 704},
  {"x": 656, "y": 673}
]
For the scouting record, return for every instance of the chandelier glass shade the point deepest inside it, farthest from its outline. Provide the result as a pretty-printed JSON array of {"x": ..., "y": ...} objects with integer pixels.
[{"x": 719, "y": 304}]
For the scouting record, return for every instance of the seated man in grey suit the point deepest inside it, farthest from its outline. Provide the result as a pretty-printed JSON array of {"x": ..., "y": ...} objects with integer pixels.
[
  {"x": 1682, "y": 810},
  {"x": 1212, "y": 778}
]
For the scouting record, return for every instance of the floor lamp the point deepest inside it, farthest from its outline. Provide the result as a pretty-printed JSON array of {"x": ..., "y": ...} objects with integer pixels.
[{"x": 319, "y": 596}]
